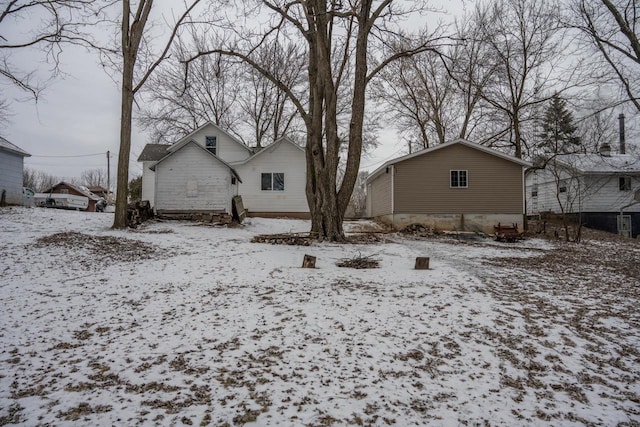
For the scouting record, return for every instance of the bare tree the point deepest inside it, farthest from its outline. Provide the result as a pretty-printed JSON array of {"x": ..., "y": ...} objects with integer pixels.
[
  {"x": 267, "y": 112},
  {"x": 134, "y": 76},
  {"x": 47, "y": 25},
  {"x": 94, "y": 177},
  {"x": 345, "y": 44},
  {"x": 523, "y": 35},
  {"x": 611, "y": 28},
  {"x": 176, "y": 107},
  {"x": 38, "y": 180}
]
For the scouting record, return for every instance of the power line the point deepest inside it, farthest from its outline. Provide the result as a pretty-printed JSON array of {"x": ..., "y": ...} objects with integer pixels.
[{"x": 77, "y": 155}]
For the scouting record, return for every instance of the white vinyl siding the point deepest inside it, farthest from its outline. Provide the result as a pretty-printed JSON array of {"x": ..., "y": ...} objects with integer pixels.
[
  {"x": 148, "y": 183},
  {"x": 11, "y": 166},
  {"x": 283, "y": 158},
  {"x": 226, "y": 148},
  {"x": 192, "y": 180},
  {"x": 591, "y": 193}
]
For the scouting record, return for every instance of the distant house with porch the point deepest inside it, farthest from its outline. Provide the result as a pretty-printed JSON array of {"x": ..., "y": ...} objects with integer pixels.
[
  {"x": 11, "y": 172},
  {"x": 458, "y": 185}
]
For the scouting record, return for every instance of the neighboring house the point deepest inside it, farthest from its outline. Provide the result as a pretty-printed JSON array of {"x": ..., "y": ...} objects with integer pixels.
[
  {"x": 204, "y": 170},
  {"x": 592, "y": 187},
  {"x": 75, "y": 190},
  {"x": 459, "y": 185},
  {"x": 11, "y": 172},
  {"x": 99, "y": 190}
]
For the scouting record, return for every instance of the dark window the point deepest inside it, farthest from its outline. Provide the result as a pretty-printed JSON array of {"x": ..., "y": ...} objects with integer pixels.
[
  {"x": 624, "y": 183},
  {"x": 212, "y": 144},
  {"x": 534, "y": 192},
  {"x": 562, "y": 189},
  {"x": 272, "y": 181},
  {"x": 459, "y": 179}
]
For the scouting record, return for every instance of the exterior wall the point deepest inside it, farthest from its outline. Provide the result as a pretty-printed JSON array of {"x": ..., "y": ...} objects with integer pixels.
[
  {"x": 463, "y": 222},
  {"x": 227, "y": 149},
  {"x": 11, "y": 167},
  {"x": 593, "y": 193},
  {"x": 379, "y": 195},
  {"x": 148, "y": 183},
  {"x": 282, "y": 158},
  {"x": 422, "y": 184},
  {"x": 190, "y": 180}
]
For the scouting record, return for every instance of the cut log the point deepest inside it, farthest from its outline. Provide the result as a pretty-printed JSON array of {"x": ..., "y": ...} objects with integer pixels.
[
  {"x": 309, "y": 261},
  {"x": 422, "y": 263}
]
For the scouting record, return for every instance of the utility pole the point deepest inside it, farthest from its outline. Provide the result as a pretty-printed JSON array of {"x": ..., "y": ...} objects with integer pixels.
[{"x": 108, "y": 174}]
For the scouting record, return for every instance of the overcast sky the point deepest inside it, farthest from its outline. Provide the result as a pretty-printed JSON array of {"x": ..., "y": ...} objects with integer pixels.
[{"x": 78, "y": 116}]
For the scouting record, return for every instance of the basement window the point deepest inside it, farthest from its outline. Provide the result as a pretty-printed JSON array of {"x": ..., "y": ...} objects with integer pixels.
[
  {"x": 458, "y": 178},
  {"x": 624, "y": 183},
  {"x": 272, "y": 181}
]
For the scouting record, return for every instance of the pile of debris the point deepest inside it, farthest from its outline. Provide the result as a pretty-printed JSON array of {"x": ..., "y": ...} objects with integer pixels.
[
  {"x": 418, "y": 230},
  {"x": 359, "y": 262},
  {"x": 139, "y": 212},
  {"x": 298, "y": 239}
]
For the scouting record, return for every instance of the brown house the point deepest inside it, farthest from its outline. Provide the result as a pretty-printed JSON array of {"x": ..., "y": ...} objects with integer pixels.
[
  {"x": 66, "y": 188},
  {"x": 459, "y": 185}
]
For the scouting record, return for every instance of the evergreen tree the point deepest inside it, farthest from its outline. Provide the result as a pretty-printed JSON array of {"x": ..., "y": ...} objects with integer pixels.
[{"x": 558, "y": 131}]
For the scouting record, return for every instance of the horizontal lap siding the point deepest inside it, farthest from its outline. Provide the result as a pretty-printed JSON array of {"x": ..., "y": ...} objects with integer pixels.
[
  {"x": 11, "y": 166},
  {"x": 380, "y": 194},
  {"x": 422, "y": 183},
  {"x": 190, "y": 164},
  {"x": 284, "y": 158},
  {"x": 227, "y": 149}
]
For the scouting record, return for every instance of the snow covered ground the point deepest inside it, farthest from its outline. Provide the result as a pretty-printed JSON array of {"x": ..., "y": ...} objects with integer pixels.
[{"x": 184, "y": 324}]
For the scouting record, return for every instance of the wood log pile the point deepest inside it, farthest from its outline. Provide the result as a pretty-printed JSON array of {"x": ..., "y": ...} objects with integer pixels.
[
  {"x": 359, "y": 262},
  {"x": 139, "y": 212},
  {"x": 298, "y": 239}
]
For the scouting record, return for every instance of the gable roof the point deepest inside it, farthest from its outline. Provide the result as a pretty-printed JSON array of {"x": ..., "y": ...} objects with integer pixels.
[
  {"x": 460, "y": 141},
  {"x": 80, "y": 189},
  {"x": 269, "y": 148},
  {"x": 186, "y": 139},
  {"x": 153, "y": 152},
  {"x": 203, "y": 149},
  {"x": 7, "y": 146},
  {"x": 599, "y": 164}
]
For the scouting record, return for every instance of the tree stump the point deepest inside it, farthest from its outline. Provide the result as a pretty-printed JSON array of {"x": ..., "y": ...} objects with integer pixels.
[
  {"x": 309, "y": 261},
  {"x": 422, "y": 263}
]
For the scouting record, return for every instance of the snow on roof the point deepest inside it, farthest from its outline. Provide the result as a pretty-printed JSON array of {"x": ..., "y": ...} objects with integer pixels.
[
  {"x": 7, "y": 146},
  {"x": 596, "y": 163}
]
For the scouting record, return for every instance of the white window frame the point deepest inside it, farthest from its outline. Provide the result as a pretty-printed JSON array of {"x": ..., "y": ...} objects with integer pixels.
[
  {"x": 271, "y": 175},
  {"x": 466, "y": 178},
  {"x": 214, "y": 139}
]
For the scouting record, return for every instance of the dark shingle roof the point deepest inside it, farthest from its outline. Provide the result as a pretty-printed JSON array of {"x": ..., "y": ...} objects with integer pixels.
[{"x": 153, "y": 152}]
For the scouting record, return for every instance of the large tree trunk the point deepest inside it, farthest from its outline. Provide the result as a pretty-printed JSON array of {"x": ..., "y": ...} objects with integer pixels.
[{"x": 122, "y": 190}]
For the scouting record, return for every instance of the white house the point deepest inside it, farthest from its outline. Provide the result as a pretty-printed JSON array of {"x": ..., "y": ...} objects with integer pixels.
[
  {"x": 204, "y": 170},
  {"x": 593, "y": 187},
  {"x": 11, "y": 170},
  {"x": 274, "y": 180}
]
